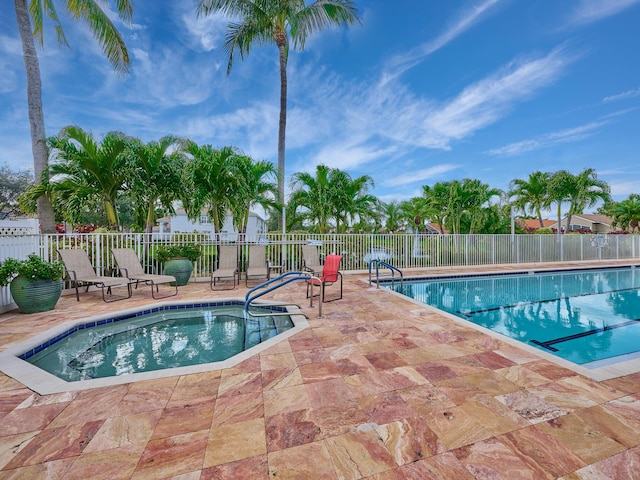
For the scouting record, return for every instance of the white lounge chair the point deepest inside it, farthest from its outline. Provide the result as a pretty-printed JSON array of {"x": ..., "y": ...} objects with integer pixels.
[
  {"x": 80, "y": 273},
  {"x": 257, "y": 265},
  {"x": 130, "y": 266},
  {"x": 227, "y": 267}
]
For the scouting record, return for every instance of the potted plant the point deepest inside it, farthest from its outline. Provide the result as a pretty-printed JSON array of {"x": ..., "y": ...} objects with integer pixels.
[
  {"x": 178, "y": 260},
  {"x": 35, "y": 284}
]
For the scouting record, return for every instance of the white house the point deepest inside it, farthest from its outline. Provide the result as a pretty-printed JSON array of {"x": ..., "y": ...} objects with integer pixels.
[{"x": 256, "y": 227}]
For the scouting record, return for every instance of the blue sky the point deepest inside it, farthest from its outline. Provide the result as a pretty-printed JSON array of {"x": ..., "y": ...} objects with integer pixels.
[{"x": 421, "y": 92}]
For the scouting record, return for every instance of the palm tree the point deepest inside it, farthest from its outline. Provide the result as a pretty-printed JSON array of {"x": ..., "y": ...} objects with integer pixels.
[
  {"x": 437, "y": 202},
  {"x": 531, "y": 195},
  {"x": 560, "y": 186},
  {"x": 253, "y": 188},
  {"x": 154, "y": 176},
  {"x": 476, "y": 198},
  {"x": 284, "y": 22},
  {"x": 351, "y": 199},
  {"x": 627, "y": 213},
  {"x": 586, "y": 190},
  {"x": 415, "y": 211},
  {"x": 31, "y": 27},
  {"x": 392, "y": 216},
  {"x": 211, "y": 182},
  {"x": 86, "y": 168},
  {"x": 311, "y": 198}
]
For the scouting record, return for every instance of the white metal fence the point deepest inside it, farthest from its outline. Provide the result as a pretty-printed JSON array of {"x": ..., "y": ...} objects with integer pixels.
[{"x": 401, "y": 250}]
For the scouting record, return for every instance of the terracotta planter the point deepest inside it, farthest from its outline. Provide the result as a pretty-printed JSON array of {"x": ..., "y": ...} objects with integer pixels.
[
  {"x": 180, "y": 268},
  {"x": 35, "y": 296}
]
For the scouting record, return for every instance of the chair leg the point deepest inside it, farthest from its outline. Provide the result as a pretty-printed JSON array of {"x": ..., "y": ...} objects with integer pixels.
[{"x": 158, "y": 290}]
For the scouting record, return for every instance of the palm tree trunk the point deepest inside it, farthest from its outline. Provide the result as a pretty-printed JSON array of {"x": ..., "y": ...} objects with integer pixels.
[
  {"x": 150, "y": 217},
  {"x": 112, "y": 213},
  {"x": 36, "y": 118},
  {"x": 281, "y": 41},
  {"x": 540, "y": 218}
]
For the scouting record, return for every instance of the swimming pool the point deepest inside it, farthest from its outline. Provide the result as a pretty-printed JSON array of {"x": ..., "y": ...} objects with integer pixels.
[
  {"x": 148, "y": 343},
  {"x": 155, "y": 339},
  {"x": 584, "y": 316}
]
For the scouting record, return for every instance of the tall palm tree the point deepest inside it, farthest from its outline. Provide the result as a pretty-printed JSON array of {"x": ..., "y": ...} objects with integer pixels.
[
  {"x": 285, "y": 23},
  {"x": 531, "y": 195},
  {"x": 209, "y": 175},
  {"x": 254, "y": 187},
  {"x": 30, "y": 27},
  {"x": 155, "y": 176},
  {"x": 586, "y": 191},
  {"x": 87, "y": 165}
]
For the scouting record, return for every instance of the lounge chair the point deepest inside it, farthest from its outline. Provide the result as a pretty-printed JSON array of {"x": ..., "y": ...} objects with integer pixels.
[
  {"x": 130, "y": 266},
  {"x": 311, "y": 259},
  {"x": 227, "y": 267},
  {"x": 257, "y": 266},
  {"x": 330, "y": 275},
  {"x": 80, "y": 273}
]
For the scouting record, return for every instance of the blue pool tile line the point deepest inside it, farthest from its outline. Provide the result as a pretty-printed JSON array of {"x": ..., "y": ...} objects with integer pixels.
[
  {"x": 83, "y": 326},
  {"x": 474, "y": 275}
]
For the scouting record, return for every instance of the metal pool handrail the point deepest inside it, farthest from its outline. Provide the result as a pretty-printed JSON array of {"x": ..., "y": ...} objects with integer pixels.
[
  {"x": 384, "y": 264},
  {"x": 282, "y": 280}
]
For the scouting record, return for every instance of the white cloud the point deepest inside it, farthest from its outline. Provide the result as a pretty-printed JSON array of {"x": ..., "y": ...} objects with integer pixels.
[
  {"x": 350, "y": 155},
  {"x": 401, "y": 63},
  {"x": 593, "y": 10},
  {"x": 420, "y": 175},
  {"x": 164, "y": 78},
  {"x": 207, "y": 33},
  {"x": 624, "y": 188},
  {"x": 491, "y": 98},
  {"x": 622, "y": 96},
  {"x": 549, "y": 140}
]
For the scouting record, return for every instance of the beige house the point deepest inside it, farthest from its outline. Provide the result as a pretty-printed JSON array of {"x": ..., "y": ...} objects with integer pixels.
[{"x": 594, "y": 222}]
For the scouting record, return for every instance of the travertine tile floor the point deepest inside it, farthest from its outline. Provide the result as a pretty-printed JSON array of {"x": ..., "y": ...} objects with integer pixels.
[{"x": 380, "y": 388}]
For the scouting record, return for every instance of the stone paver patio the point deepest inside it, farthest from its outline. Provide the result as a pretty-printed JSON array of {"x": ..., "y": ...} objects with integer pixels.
[{"x": 380, "y": 388}]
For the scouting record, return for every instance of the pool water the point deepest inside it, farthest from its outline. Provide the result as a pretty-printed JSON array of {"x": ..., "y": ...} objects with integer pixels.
[
  {"x": 160, "y": 339},
  {"x": 582, "y": 315}
]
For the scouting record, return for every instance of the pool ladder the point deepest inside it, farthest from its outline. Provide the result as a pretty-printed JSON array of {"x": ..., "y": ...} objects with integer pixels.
[
  {"x": 393, "y": 269},
  {"x": 280, "y": 281}
]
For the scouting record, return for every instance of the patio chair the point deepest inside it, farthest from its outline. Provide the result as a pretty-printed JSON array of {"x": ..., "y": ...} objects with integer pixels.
[
  {"x": 227, "y": 267},
  {"x": 80, "y": 273},
  {"x": 257, "y": 265},
  {"x": 330, "y": 275},
  {"x": 311, "y": 259},
  {"x": 130, "y": 266}
]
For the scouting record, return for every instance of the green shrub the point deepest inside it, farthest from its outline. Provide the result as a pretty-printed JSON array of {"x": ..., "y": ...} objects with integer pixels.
[
  {"x": 34, "y": 268},
  {"x": 188, "y": 250}
]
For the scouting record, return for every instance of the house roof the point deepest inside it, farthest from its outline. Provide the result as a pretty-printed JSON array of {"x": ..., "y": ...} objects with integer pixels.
[
  {"x": 595, "y": 218},
  {"x": 535, "y": 223}
]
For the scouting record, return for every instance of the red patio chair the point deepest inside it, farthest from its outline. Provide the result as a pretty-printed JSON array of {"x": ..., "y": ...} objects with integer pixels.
[{"x": 330, "y": 275}]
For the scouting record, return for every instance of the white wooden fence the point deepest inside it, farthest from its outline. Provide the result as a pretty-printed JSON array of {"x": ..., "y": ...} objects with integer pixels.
[{"x": 401, "y": 250}]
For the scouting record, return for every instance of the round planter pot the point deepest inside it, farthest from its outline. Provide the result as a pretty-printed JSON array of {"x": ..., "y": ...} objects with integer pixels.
[
  {"x": 35, "y": 296},
  {"x": 180, "y": 268}
]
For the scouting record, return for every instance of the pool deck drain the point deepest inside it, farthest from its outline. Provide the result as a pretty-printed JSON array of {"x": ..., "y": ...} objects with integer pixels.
[{"x": 380, "y": 388}]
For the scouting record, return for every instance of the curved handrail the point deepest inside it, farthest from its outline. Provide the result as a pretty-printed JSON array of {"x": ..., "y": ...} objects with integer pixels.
[
  {"x": 393, "y": 269},
  {"x": 295, "y": 276}
]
